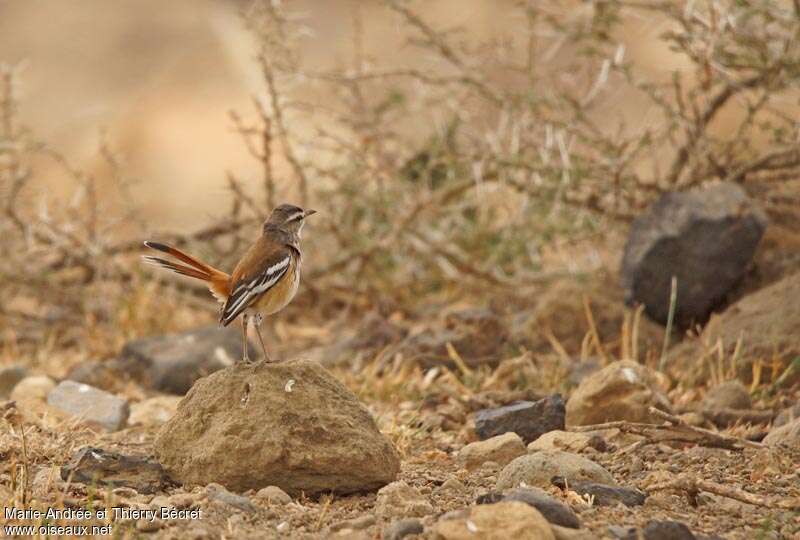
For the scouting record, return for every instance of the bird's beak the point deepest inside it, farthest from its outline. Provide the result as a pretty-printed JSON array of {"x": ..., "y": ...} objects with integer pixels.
[{"x": 308, "y": 213}]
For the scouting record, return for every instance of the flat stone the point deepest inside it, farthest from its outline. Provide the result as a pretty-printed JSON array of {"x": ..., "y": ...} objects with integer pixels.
[
  {"x": 218, "y": 493},
  {"x": 9, "y": 377},
  {"x": 539, "y": 468},
  {"x": 500, "y": 449},
  {"x": 91, "y": 465},
  {"x": 172, "y": 363},
  {"x": 623, "y": 390},
  {"x": 499, "y": 521},
  {"x": 554, "y": 511},
  {"x": 397, "y": 530},
  {"x": 604, "y": 495},
  {"x": 94, "y": 407},
  {"x": 398, "y": 499},
  {"x": 528, "y": 419},
  {"x": 704, "y": 237},
  {"x": 570, "y": 441},
  {"x": 728, "y": 395},
  {"x": 667, "y": 530},
  {"x": 289, "y": 424}
]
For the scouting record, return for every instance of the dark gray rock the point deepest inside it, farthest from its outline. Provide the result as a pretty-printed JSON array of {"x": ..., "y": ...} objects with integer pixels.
[
  {"x": 604, "y": 495},
  {"x": 9, "y": 377},
  {"x": 92, "y": 406},
  {"x": 553, "y": 510},
  {"x": 401, "y": 528},
  {"x": 528, "y": 419},
  {"x": 706, "y": 238},
  {"x": 172, "y": 363},
  {"x": 91, "y": 465},
  {"x": 667, "y": 530}
]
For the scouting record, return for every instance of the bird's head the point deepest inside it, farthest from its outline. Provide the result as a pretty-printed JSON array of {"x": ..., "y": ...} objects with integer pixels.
[{"x": 289, "y": 218}]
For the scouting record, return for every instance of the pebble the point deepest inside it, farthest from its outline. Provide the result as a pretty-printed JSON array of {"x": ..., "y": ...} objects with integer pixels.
[
  {"x": 528, "y": 419},
  {"x": 539, "y": 468},
  {"x": 273, "y": 495},
  {"x": 401, "y": 528},
  {"x": 500, "y": 450},
  {"x": 398, "y": 499}
]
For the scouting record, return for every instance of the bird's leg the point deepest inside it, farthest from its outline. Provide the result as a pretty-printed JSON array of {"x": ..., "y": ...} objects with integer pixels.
[
  {"x": 258, "y": 319},
  {"x": 245, "y": 355}
]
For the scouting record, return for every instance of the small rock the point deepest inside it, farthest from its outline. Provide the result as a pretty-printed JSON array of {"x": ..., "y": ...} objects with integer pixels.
[
  {"x": 786, "y": 416},
  {"x": 154, "y": 411},
  {"x": 92, "y": 406},
  {"x": 273, "y": 495},
  {"x": 148, "y": 526},
  {"x": 401, "y": 528},
  {"x": 569, "y": 441},
  {"x": 172, "y": 363},
  {"x": 218, "y": 493},
  {"x": 500, "y": 449},
  {"x": 537, "y": 470},
  {"x": 452, "y": 484},
  {"x": 728, "y": 395},
  {"x": 553, "y": 510},
  {"x": 357, "y": 524},
  {"x": 622, "y": 390},
  {"x": 93, "y": 465},
  {"x": 9, "y": 377},
  {"x": 565, "y": 533},
  {"x": 667, "y": 530},
  {"x": 528, "y": 419},
  {"x": 785, "y": 435},
  {"x": 603, "y": 495},
  {"x": 183, "y": 500},
  {"x": 31, "y": 393},
  {"x": 496, "y": 522},
  {"x": 239, "y": 427},
  {"x": 398, "y": 499},
  {"x": 706, "y": 238}
]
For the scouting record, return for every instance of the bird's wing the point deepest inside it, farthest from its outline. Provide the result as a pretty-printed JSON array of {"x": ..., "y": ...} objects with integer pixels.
[{"x": 258, "y": 271}]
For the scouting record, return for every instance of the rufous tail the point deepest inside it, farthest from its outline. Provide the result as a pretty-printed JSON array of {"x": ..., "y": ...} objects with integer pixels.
[{"x": 218, "y": 281}]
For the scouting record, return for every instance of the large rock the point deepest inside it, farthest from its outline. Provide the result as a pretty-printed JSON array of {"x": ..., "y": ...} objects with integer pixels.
[
  {"x": 528, "y": 419},
  {"x": 706, "y": 238},
  {"x": 539, "y": 469},
  {"x": 289, "y": 424},
  {"x": 499, "y": 521},
  {"x": 172, "y": 363},
  {"x": 90, "y": 405},
  {"x": 764, "y": 324},
  {"x": 622, "y": 390}
]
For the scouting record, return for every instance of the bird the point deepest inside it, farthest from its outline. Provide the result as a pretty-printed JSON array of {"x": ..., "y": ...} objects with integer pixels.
[{"x": 263, "y": 282}]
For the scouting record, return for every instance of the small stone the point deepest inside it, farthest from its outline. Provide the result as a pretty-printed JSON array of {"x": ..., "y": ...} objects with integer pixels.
[
  {"x": 182, "y": 500},
  {"x": 30, "y": 394},
  {"x": 569, "y": 441},
  {"x": 667, "y": 530},
  {"x": 401, "y": 528},
  {"x": 9, "y": 377},
  {"x": 218, "y": 493},
  {"x": 154, "y": 411},
  {"x": 398, "y": 499},
  {"x": 496, "y": 522},
  {"x": 528, "y": 419},
  {"x": 728, "y": 395},
  {"x": 537, "y": 470},
  {"x": 785, "y": 435},
  {"x": 565, "y": 533},
  {"x": 91, "y": 465},
  {"x": 148, "y": 526},
  {"x": 452, "y": 484},
  {"x": 273, "y": 495},
  {"x": 356, "y": 524},
  {"x": 553, "y": 510},
  {"x": 623, "y": 390},
  {"x": 500, "y": 449},
  {"x": 125, "y": 492},
  {"x": 92, "y": 406},
  {"x": 603, "y": 495}
]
